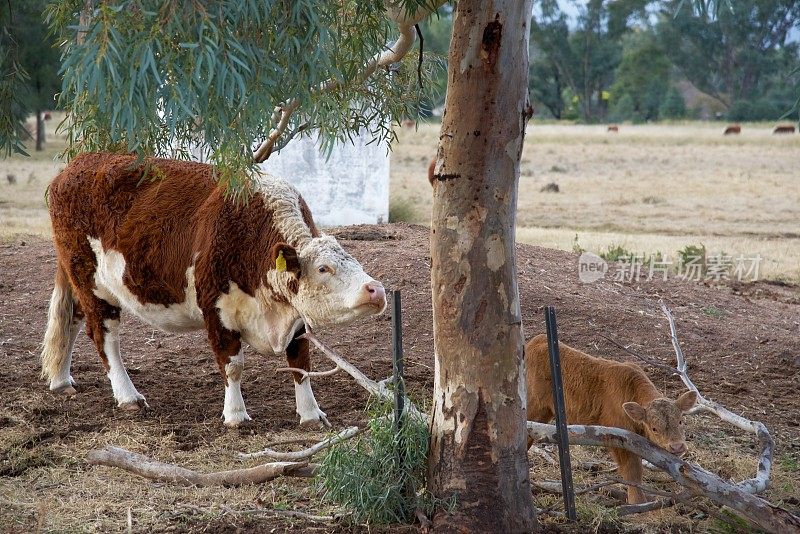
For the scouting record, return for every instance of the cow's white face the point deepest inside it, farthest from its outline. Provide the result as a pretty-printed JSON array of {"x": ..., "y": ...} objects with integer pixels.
[{"x": 332, "y": 286}]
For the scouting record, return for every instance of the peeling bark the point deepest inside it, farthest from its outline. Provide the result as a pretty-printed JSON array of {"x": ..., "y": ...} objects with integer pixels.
[{"x": 478, "y": 434}]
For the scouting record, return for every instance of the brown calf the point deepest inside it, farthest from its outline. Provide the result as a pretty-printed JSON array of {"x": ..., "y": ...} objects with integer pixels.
[
  {"x": 607, "y": 393},
  {"x": 783, "y": 129},
  {"x": 733, "y": 129},
  {"x": 613, "y": 128}
]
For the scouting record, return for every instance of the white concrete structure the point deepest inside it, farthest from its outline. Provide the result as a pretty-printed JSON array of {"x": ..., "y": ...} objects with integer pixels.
[{"x": 350, "y": 187}]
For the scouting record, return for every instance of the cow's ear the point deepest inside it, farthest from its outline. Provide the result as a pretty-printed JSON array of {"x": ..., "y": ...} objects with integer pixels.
[
  {"x": 635, "y": 411},
  {"x": 284, "y": 258},
  {"x": 686, "y": 401}
]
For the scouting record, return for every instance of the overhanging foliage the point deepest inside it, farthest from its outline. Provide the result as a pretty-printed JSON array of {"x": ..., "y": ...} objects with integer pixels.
[{"x": 148, "y": 76}]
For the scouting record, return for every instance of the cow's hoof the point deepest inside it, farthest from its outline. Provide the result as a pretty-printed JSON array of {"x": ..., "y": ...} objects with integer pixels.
[
  {"x": 235, "y": 419},
  {"x": 134, "y": 405},
  {"x": 64, "y": 388},
  {"x": 321, "y": 421}
]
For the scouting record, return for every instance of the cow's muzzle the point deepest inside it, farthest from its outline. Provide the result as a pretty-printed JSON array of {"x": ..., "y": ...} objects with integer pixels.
[{"x": 373, "y": 294}]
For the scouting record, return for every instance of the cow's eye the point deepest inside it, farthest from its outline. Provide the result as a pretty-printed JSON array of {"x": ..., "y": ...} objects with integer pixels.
[
  {"x": 324, "y": 269},
  {"x": 654, "y": 429}
]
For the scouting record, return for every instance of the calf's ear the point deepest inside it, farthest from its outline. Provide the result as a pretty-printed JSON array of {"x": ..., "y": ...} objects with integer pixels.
[
  {"x": 283, "y": 257},
  {"x": 686, "y": 401},
  {"x": 635, "y": 411}
]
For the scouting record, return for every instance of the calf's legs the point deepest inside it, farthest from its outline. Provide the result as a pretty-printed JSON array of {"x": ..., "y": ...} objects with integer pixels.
[{"x": 630, "y": 468}]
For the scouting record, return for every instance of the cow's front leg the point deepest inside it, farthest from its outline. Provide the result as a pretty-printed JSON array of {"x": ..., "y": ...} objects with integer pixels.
[
  {"x": 234, "y": 411},
  {"x": 307, "y": 407},
  {"x": 228, "y": 351}
]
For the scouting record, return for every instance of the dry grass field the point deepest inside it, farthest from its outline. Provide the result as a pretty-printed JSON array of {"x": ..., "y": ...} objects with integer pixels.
[{"x": 650, "y": 189}]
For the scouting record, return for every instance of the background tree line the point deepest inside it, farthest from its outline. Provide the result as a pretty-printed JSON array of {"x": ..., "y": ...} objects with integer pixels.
[
  {"x": 592, "y": 61},
  {"x": 644, "y": 60}
]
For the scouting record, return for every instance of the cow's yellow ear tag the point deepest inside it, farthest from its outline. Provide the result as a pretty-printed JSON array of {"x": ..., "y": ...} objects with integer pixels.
[{"x": 280, "y": 262}]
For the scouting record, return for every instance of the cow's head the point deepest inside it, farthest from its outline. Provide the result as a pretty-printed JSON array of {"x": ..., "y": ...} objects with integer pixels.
[
  {"x": 326, "y": 285},
  {"x": 663, "y": 420}
]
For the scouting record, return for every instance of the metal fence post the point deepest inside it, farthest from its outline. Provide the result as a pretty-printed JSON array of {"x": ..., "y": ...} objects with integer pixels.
[
  {"x": 397, "y": 359},
  {"x": 561, "y": 418}
]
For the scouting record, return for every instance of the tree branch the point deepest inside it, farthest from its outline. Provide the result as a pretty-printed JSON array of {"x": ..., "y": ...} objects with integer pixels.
[
  {"x": 393, "y": 54},
  {"x": 374, "y": 388},
  {"x": 753, "y": 485},
  {"x": 696, "y": 479},
  {"x": 760, "y": 482},
  {"x": 162, "y": 472},
  {"x": 347, "y": 433},
  {"x": 309, "y": 374}
]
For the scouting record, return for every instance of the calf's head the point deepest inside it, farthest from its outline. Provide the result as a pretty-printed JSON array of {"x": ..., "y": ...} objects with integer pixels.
[
  {"x": 326, "y": 285},
  {"x": 663, "y": 420}
]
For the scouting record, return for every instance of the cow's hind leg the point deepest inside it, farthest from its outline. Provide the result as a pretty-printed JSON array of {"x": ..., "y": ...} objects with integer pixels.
[
  {"x": 102, "y": 325},
  {"x": 307, "y": 407},
  {"x": 65, "y": 320}
]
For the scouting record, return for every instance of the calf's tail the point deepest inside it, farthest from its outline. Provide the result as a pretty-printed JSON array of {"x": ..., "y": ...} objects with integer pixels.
[{"x": 56, "y": 344}]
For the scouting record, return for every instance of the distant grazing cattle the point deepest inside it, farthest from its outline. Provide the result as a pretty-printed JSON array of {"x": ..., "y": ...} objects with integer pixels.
[
  {"x": 173, "y": 250},
  {"x": 607, "y": 393},
  {"x": 613, "y": 128},
  {"x": 783, "y": 129},
  {"x": 733, "y": 129}
]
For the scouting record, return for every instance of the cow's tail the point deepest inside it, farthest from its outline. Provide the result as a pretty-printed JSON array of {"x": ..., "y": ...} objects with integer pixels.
[{"x": 56, "y": 345}]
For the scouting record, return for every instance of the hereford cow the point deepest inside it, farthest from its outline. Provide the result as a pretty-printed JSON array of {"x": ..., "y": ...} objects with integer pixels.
[
  {"x": 170, "y": 248},
  {"x": 607, "y": 393},
  {"x": 733, "y": 129}
]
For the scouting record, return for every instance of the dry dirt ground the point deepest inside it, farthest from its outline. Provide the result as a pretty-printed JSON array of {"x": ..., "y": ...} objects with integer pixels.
[{"x": 742, "y": 344}]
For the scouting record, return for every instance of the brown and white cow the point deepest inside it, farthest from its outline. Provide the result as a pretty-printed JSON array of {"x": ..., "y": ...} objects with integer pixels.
[
  {"x": 174, "y": 251},
  {"x": 608, "y": 393}
]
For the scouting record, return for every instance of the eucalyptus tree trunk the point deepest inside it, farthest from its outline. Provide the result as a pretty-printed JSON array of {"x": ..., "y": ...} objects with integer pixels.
[{"x": 478, "y": 436}]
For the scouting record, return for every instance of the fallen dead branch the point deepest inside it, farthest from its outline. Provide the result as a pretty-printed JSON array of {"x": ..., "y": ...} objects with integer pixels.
[
  {"x": 760, "y": 482},
  {"x": 310, "y": 374},
  {"x": 543, "y": 454},
  {"x": 378, "y": 389},
  {"x": 163, "y": 472},
  {"x": 304, "y": 454},
  {"x": 696, "y": 479}
]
